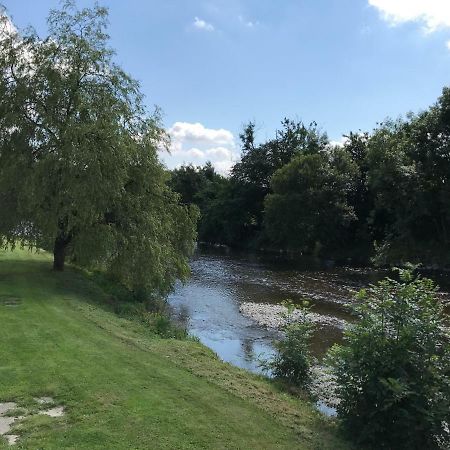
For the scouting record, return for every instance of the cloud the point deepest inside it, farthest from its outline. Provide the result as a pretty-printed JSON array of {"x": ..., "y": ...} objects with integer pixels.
[
  {"x": 199, "y": 133},
  {"x": 339, "y": 143},
  {"x": 195, "y": 153},
  {"x": 194, "y": 143},
  {"x": 219, "y": 153},
  {"x": 201, "y": 24},
  {"x": 448, "y": 44},
  {"x": 247, "y": 23},
  {"x": 223, "y": 167},
  {"x": 433, "y": 14}
]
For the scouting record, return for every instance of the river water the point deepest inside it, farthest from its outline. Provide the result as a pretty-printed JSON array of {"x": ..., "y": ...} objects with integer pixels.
[{"x": 208, "y": 304}]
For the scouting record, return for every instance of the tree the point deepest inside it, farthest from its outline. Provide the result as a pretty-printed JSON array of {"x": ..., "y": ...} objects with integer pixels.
[
  {"x": 393, "y": 371},
  {"x": 309, "y": 199},
  {"x": 224, "y": 217},
  {"x": 356, "y": 145},
  {"x": 79, "y": 172},
  {"x": 258, "y": 163},
  {"x": 409, "y": 177},
  {"x": 190, "y": 181}
]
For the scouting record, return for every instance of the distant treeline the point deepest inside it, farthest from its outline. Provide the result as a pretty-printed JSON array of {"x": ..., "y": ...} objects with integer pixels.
[{"x": 382, "y": 196}]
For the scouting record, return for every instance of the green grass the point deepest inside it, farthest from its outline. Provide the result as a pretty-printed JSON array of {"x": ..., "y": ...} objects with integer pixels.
[{"x": 123, "y": 387}]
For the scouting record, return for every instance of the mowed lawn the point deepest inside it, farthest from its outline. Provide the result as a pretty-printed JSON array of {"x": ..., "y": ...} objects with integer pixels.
[{"x": 123, "y": 388}]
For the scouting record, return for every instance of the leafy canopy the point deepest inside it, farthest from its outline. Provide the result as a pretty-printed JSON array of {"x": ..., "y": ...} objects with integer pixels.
[
  {"x": 79, "y": 171},
  {"x": 309, "y": 199}
]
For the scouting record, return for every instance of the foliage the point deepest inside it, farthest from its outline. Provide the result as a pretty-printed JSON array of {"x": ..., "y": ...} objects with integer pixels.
[
  {"x": 224, "y": 211},
  {"x": 409, "y": 173},
  {"x": 259, "y": 162},
  {"x": 309, "y": 199},
  {"x": 292, "y": 360},
  {"x": 190, "y": 181},
  {"x": 253, "y": 173},
  {"x": 232, "y": 209},
  {"x": 360, "y": 199},
  {"x": 154, "y": 315},
  {"x": 393, "y": 370},
  {"x": 385, "y": 194},
  {"x": 75, "y": 132}
]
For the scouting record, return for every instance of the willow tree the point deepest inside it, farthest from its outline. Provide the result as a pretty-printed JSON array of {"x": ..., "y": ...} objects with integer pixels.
[{"x": 79, "y": 171}]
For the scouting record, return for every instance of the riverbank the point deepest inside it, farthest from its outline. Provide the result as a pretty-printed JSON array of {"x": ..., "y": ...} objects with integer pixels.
[{"x": 121, "y": 386}]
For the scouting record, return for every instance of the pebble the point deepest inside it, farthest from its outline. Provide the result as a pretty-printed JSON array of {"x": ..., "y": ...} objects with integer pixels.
[{"x": 274, "y": 316}]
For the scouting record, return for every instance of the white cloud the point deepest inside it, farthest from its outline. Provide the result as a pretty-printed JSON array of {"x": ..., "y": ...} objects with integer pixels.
[
  {"x": 223, "y": 167},
  {"x": 198, "y": 132},
  {"x": 195, "y": 153},
  {"x": 194, "y": 143},
  {"x": 433, "y": 14},
  {"x": 338, "y": 143},
  {"x": 201, "y": 24},
  {"x": 219, "y": 153},
  {"x": 448, "y": 44}
]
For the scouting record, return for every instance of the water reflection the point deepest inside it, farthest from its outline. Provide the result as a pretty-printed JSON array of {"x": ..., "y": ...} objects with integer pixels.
[{"x": 208, "y": 304}]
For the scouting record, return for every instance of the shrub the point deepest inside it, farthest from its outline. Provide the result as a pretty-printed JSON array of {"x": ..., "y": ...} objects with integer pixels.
[
  {"x": 163, "y": 326},
  {"x": 394, "y": 367},
  {"x": 292, "y": 361}
]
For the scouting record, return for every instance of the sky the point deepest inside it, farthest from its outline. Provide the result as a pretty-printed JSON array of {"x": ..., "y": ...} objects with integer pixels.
[{"x": 213, "y": 65}]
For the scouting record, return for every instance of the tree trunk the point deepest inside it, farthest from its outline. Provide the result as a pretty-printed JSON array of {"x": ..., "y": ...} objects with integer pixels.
[{"x": 59, "y": 253}]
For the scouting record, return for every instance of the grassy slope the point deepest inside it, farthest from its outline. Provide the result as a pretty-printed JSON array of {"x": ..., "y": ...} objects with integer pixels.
[{"x": 122, "y": 387}]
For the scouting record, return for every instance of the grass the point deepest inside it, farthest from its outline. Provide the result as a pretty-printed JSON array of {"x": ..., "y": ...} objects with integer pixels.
[{"x": 123, "y": 387}]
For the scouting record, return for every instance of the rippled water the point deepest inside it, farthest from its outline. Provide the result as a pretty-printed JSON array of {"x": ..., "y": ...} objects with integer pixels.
[{"x": 208, "y": 304}]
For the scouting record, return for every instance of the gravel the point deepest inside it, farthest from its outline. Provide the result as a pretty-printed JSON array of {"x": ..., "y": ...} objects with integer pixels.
[{"x": 275, "y": 316}]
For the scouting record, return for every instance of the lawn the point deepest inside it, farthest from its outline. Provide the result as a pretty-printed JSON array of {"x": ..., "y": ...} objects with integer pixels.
[{"x": 123, "y": 387}]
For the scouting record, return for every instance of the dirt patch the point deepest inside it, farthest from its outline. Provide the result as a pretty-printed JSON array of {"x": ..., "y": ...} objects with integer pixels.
[
  {"x": 58, "y": 411},
  {"x": 7, "y": 422},
  {"x": 5, "y": 407}
]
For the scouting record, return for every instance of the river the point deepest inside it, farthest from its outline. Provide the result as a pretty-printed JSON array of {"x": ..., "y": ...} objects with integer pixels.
[
  {"x": 223, "y": 280},
  {"x": 208, "y": 304}
]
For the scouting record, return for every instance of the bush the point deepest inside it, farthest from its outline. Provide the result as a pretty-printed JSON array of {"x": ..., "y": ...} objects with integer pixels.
[
  {"x": 393, "y": 370},
  {"x": 292, "y": 361},
  {"x": 163, "y": 326}
]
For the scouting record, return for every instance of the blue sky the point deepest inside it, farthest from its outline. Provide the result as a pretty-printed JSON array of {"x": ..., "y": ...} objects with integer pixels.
[{"x": 212, "y": 65}]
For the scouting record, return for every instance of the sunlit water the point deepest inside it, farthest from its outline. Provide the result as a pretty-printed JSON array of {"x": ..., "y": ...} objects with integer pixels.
[{"x": 208, "y": 304}]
